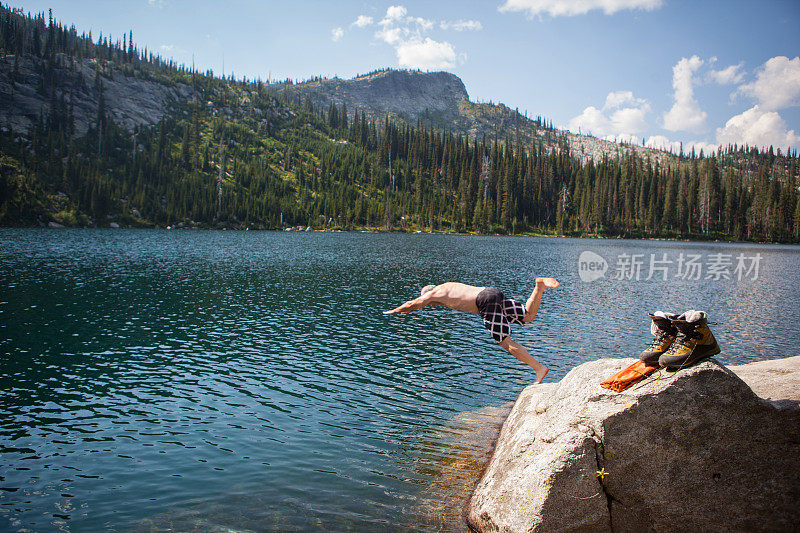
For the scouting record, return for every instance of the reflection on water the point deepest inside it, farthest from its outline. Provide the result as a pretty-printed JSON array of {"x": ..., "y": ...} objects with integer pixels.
[
  {"x": 450, "y": 459},
  {"x": 214, "y": 380},
  {"x": 453, "y": 459}
]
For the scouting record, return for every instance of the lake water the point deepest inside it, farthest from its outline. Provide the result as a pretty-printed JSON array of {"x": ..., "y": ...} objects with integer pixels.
[{"x": 219, "y": 381}]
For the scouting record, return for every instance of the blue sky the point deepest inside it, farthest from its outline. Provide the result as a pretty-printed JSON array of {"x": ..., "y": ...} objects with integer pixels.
[{"x": 701, "y": 73}]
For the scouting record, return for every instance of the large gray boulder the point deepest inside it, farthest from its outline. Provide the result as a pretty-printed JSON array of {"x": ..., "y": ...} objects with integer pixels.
[{"x": 696, "y": 450}]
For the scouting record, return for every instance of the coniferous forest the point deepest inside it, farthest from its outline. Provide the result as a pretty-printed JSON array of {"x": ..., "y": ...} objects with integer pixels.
[{"x": 236, "y": 154}]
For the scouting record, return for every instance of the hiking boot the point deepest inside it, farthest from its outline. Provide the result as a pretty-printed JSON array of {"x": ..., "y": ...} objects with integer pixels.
[
  {"x": 664, "y": 334},
  {"x": 694, "y": 341}
]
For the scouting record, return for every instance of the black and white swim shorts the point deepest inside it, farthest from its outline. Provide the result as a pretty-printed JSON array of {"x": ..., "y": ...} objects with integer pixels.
[{"x": 498, "y": 312}]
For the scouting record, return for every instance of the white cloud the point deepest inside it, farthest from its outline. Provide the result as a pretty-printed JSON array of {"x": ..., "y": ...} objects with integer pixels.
[
  {"x": 659, "y": 142},
  {"x": 621, "y": 116},
  {"x": 395, "y": 13},
  {"x": 591, "y": 122},
  {"x": 424, "y": 24},
  {"x": 426, "y": 55},
  {"x": 777, "y": 84},
  {"x": 462, "y": 25},
  {"x": 757, "y": 127},
  {"x": 569, "y": 8},
  {"x": 413, "y": 49},
  {"x": 617, "y": 99},
  {"x": 685, "y": 114},
  {"x": 390, "y": 35},
  {"x": 630, "y": 119},
  {"x": 362, "y": 21},
  {"x": 726, "y": 76},
  {"x": 336, "y": 34}
]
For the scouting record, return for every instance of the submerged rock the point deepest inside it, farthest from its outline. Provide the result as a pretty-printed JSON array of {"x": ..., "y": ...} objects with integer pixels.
[
  {"x": 696, "y": 450},
  {"x": 451, "y": 459}
]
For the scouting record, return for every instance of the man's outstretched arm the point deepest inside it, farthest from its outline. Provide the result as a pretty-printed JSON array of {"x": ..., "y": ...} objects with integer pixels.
[
  {"x": 412, "y": 305},
  {"x": 532, "y": 305}
]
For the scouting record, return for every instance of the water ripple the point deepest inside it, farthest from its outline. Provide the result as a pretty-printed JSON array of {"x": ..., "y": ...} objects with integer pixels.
[{"x": 212, "y": 380}]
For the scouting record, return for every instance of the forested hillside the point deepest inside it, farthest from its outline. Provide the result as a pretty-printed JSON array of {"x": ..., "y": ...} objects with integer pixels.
[{"x": 223, "y": 152}]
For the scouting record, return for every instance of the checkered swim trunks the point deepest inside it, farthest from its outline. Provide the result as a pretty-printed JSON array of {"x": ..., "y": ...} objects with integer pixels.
[{"x": 498, "y": 312}]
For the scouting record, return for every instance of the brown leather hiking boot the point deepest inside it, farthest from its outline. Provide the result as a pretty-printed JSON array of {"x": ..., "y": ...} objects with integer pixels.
[
  {"x": 694, "y": 341},
  {"x": 664, "y": 334}
]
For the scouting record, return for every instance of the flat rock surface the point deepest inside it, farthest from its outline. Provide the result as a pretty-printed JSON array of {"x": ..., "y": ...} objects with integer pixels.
[
  {"x": 694, "y": 450},
  {"x": 777, "y": 380}
]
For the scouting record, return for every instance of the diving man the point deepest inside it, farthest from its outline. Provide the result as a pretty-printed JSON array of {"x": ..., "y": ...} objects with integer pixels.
[{"x": 497, "y": 311}]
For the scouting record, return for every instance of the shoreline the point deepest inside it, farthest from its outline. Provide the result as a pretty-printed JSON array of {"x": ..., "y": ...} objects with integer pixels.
[{"x": 296, "y": 229}]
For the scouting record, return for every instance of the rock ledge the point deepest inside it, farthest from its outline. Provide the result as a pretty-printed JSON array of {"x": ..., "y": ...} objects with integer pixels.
[{"x": 696, "y": 450}]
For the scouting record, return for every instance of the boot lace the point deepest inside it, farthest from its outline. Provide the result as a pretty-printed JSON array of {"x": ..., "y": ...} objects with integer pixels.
[
  {"x": 682, "y": 339},
  {"x": 659, "y": 338}
]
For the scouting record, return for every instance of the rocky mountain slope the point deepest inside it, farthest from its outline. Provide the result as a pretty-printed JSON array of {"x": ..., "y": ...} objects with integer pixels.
[
  {"x": 436, "y": 99},
  {"x": 405, "y": 94},
  {"x": 440, "y": 99},
  {"x": 129, "y": 101}
]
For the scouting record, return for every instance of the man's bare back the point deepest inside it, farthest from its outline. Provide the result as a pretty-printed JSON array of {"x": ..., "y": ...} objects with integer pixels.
[
  {"x": 462, "y": 297},
  {"x": 457, "y": 296}
]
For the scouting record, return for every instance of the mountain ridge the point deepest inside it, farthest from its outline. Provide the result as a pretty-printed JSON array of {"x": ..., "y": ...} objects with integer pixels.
[
  {"x": 440, "y": 99},
  {"x": 404, "y": 93}
]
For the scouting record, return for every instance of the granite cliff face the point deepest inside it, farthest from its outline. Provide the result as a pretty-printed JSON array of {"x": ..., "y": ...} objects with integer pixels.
[
  {"x": 401, "y": 93},
  {"x": 129, "y": 101}
]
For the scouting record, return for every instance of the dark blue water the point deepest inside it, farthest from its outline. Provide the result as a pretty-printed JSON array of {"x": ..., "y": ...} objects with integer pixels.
[{"x": 213, "y": 381}]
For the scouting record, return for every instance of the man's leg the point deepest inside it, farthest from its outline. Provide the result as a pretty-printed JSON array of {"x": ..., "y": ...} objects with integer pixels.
[
  {"x": 518, "y": 351},
  {"x": 532, "y": 305}
]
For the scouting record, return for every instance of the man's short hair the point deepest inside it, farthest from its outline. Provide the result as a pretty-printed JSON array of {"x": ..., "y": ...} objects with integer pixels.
[{"x": 427, "y": 288}]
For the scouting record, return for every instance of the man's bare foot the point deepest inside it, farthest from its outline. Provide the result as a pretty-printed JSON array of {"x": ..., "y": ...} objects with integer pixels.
[
  {"x": 540, "y": 375},
  {"x": 549, "y": 283}
]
